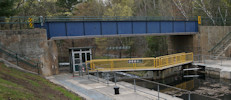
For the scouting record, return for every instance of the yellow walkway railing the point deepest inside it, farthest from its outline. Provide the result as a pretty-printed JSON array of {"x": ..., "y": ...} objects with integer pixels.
[{"x": 139, "y": 63}]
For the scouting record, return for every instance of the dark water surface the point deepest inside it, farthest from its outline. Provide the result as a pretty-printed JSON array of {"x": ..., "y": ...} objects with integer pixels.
[{"x": 212, "y": 87}]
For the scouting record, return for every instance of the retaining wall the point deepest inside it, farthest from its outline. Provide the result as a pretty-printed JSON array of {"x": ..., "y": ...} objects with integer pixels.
[{"x": 32, "y": 43}]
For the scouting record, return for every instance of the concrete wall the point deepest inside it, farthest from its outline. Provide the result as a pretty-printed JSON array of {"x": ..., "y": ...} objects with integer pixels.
[
  {"x": 161, "y": 74},
  {"x": 228, "y": 52},
  {"x": 200, "y": 43},
  {"x": 208, "y": 37},
  {"x": 32, "y": 43},
  {"x": 180, "y": 43},
  {"x": 24, "y": 42}
]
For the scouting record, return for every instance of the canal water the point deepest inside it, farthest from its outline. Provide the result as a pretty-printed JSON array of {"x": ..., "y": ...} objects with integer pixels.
[{"x": 208, "y": 86}]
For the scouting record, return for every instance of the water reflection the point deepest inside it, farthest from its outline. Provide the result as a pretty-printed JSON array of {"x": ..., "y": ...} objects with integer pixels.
[{"x": 226, "y": 97}]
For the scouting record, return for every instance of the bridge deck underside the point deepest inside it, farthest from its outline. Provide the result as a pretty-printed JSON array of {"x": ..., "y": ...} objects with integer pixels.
[{"x": 124, "y": 35}]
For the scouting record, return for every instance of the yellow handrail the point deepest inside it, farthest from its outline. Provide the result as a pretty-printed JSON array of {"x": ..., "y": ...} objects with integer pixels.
[{"x": 139, "y": 63}]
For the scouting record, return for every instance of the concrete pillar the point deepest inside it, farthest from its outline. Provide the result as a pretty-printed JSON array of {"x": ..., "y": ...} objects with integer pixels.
[
  {"x": 163, "y": 74},
  {"x": 50, "y": 58}
]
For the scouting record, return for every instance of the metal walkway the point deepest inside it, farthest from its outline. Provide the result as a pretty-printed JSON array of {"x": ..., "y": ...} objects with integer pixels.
[{"x": 137, "y": 64}]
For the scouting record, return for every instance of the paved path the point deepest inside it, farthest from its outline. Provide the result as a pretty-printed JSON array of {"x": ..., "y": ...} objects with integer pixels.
[{"x": 94, "y": 90}]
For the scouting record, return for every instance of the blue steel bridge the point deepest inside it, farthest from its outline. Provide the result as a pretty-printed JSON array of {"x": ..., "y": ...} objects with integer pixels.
[{"x": 72, "y": 27}]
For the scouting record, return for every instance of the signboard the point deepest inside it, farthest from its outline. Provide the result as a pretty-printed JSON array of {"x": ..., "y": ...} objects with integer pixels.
[
  {"x": 119, "y": 48},
  {"x": 199, "y": 19},
  {"x": 135, "y": 61},
  {"x": 64, "y": 64},
  {"x": 30, "y": 22}
]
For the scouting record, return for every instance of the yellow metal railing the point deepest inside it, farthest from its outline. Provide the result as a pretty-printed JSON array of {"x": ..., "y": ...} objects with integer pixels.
[{"x": 139, "y": 63}]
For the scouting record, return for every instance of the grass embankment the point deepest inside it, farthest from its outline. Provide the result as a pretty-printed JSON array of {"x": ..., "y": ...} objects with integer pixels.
[{"x": 18, "y": 85}]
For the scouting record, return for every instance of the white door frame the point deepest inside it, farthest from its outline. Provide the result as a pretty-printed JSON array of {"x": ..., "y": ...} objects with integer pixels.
[{"x": 80, "y": 52}]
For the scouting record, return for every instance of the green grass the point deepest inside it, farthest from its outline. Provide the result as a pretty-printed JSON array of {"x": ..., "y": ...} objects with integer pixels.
[
  {"x": 101, "y": 57},
  {"x": 13, "y": 91},
  {"x": 66, "y": 93},
  {"x": 61, "y": 89},
  {"x": 20, "y": 75},
  {"x": 8, "y": 83},
  {"x": 18, "y": 85}
]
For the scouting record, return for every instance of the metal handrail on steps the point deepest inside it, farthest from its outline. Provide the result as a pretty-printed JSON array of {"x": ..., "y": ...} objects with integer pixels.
[
  {"x": 21, "y": 59},
  {"x": 219, "y": 44}
]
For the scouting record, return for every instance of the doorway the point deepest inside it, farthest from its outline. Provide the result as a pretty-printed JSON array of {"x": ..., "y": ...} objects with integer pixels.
[{"x": 79, "y": 56}]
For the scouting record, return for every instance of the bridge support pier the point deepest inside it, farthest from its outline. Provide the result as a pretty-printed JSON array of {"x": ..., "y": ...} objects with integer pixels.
[{"x": 163, "y": 73}]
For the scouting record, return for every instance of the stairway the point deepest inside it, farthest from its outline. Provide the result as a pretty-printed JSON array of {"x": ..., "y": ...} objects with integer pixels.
[{"x": 221, "y": 46}]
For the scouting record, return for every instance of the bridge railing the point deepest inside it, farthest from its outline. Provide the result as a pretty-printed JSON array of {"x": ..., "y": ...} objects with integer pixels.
[
  {"x": 17, "y": 22},
  {"x": 204, "y": 20},
  {"x": 21, "y": 22},
  {"x": 139, "y": 63},
  {"x": 118, "y": 18}
]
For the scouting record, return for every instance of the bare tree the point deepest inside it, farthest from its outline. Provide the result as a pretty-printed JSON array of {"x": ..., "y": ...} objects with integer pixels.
[
  {"x": 200, "y": 4},
  {"x": 154, "y": 3},
  {"x": 225, "y": 16},
  {"x": 179, "y": 5}
]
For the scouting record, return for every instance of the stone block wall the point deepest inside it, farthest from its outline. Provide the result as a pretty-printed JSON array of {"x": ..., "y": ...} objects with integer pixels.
[{"x": 32, "y": 43}]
